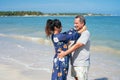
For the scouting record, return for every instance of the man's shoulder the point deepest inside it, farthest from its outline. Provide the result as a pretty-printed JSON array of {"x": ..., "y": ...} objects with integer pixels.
[
  {"x": 84, "y": 38},
  {"x": 86, "y": 32}
]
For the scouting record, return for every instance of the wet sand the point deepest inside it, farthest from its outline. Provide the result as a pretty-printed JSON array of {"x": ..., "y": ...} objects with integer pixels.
[{"x": 26, "y": 60}]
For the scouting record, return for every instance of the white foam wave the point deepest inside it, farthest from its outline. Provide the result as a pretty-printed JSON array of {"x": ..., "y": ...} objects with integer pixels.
[
  {"x": 48, "y": 42},
  {"x": 105, "y": 49},
  {"x": 44, "y": 69},
  {"x": 9, "y": 59},
  {"x": 3, "y": 35},
  {"x": 20, "y": 46},
  {"x": 34, "y": 39}
]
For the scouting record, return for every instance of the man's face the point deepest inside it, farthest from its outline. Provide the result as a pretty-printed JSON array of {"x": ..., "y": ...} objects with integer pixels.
[{"x": 78, "y": 25}]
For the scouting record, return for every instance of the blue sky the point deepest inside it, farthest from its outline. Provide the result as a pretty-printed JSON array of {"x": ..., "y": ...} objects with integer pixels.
[{"x": 59, "y": 6}]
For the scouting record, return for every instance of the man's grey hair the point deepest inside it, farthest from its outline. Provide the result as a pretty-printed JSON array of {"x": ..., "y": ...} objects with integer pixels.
[{"x": 82, "y": 19}]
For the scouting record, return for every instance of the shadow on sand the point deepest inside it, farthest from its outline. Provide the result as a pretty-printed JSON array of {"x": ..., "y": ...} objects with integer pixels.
[{"x": 104, "y": 78}]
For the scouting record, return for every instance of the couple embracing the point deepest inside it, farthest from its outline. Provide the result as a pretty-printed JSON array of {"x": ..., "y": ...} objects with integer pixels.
[{"x": 78, "y": 53}]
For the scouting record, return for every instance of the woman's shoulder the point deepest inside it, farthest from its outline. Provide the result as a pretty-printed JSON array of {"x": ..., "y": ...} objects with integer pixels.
[{"x": 57, "y": 37}]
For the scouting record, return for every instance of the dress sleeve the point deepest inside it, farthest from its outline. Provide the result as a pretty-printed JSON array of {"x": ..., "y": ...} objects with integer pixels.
[{"x": 69, "y": 35}]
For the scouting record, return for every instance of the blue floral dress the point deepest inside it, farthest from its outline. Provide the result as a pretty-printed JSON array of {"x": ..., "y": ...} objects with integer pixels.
[{"x": 61, "y": 65}]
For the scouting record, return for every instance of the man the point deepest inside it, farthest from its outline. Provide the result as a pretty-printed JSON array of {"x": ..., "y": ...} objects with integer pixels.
[{"x": 80, "y": 59}]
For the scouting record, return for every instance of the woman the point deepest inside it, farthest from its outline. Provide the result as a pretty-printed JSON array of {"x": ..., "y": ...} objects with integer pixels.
[{"x": 60, "y": 41}]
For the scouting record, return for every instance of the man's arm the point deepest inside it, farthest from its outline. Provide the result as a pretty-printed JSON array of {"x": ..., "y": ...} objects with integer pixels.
[
  {"x": 80, "y": 42},
  {"x": 70, "y": 50}
]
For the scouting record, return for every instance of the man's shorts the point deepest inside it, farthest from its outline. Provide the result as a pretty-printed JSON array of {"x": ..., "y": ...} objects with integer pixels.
[{"x": 80, "y": 72}]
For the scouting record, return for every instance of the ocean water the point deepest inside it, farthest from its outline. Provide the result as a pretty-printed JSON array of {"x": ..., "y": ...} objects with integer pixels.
[
  {"x": 104, "y": 29},
  {"x": 25, "y": 46}
]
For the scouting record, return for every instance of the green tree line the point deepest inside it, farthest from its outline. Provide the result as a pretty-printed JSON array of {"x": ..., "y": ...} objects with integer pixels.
[
  {"x": 37, "y": 13},
  {"x": 19, "y": 13}
]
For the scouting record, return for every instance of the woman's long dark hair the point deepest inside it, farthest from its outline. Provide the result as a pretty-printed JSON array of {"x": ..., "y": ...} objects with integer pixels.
[{"x": 50, "y": 25}]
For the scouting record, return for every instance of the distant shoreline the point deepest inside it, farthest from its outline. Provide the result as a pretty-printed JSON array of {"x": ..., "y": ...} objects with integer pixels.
[
  {"x": 52, "y": 15},
  {"x": 49, "y": 16},
  {"x": 34, "y": 13}
]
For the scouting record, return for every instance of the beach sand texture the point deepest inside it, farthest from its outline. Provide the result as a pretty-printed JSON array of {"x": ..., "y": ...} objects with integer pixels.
[{"x": 26, "y": 60}]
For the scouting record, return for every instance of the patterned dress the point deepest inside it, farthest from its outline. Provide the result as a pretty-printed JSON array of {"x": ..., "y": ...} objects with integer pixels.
[{"x": 61, "y": 65}]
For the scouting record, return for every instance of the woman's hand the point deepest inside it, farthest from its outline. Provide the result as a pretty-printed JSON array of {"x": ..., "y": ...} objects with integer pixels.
[{"x": 83, "y": 29}]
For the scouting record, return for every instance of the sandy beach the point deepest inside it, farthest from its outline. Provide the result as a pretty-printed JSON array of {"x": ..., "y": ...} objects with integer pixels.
[
  {"x": 26, "y": 60},
  {"x": 98, "y": 71},
  {"x": 9, "y": 72}
]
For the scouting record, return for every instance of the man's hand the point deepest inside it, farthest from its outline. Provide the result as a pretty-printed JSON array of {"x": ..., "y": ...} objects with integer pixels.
[{"x": 61, "y": 54}]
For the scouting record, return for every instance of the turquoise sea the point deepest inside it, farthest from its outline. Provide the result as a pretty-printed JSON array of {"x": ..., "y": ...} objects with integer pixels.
[
  {"x": 104, "y": 29},
  {"x": 23, "y": 43}
]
